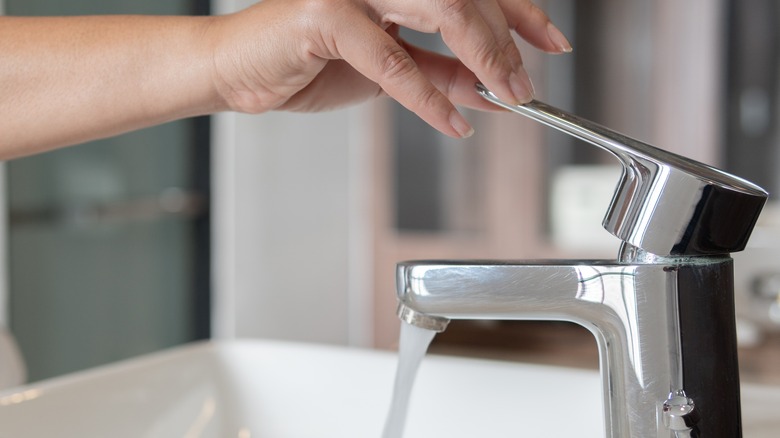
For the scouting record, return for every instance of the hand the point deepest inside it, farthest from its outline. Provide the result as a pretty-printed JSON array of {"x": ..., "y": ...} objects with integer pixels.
[{"x": 311, "y": 55}]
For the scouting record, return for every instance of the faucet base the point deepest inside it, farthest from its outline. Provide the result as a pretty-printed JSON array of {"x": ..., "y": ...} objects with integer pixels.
[{"x": 662, "y": 326}]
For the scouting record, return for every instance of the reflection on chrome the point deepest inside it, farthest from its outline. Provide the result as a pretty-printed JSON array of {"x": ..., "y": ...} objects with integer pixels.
[
  {"x": 664, "y": 203},
  {"x": 612, "y": 287}
]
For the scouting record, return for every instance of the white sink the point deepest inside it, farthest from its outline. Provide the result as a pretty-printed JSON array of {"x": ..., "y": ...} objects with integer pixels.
[{"x": 257, "y": 389}]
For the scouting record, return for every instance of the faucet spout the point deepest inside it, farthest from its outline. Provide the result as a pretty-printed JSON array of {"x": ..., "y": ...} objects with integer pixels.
[{"x": 653, "y": 322}]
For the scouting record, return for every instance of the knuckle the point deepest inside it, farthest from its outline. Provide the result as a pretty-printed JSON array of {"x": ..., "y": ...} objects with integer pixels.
[
  {"x": 509, "y": 47},
  {"x": 428, "y": 97},
  {"x": 396, "y": 63},
  {"x": 452, "y": 7},
  {"x": 493, "y": 61}
]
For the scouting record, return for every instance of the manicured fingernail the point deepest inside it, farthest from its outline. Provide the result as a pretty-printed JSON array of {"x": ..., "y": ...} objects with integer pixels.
[
  {"x": 460, "y": 125},
  {"x": 522, "y": 87},
  {"x": 557, "y": 38}
]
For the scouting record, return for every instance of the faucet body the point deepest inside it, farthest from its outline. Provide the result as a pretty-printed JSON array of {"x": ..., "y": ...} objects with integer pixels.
[
  {"x": 664, "y": 327},
  {"x": 662, "y": 313}
]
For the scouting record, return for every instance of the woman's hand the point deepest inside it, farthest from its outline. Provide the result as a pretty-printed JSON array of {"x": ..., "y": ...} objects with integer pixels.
[
  {"x": 312, "y": 55},
  {"x": 66, "y": 80}
]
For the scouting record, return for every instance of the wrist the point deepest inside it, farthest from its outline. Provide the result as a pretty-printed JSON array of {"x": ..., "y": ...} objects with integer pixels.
[
  {"x": 193, "y": 69},
  {"x": 208, "y": 37},
  {"x": 234, "y": 51}
]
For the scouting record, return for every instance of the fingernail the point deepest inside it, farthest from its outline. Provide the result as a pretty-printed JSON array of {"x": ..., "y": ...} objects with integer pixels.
[
  {"x": 557, "y": 38},
  {"x": 522, "y": 87},
  {"x": 460, "y": 125}
]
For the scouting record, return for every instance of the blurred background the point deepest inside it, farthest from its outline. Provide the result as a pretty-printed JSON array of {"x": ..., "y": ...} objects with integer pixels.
[{"x": 288, "y": 226}]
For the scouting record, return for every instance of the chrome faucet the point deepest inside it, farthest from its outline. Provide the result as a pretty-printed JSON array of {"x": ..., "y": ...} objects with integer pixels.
[{"x": 662, "y": 313}]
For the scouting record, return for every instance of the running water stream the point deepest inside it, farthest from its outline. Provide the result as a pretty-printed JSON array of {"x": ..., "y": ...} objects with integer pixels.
[{"x": 414, "y": 343}]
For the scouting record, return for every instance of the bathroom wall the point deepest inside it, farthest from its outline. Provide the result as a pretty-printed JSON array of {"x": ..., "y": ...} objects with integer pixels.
[{"x": 285, "y": 227}]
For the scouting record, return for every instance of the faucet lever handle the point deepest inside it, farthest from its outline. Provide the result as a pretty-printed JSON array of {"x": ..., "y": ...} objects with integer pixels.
[{"x": 664, "y": 203}]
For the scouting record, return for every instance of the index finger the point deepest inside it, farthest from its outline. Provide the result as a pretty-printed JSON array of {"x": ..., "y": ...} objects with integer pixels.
[{"x": 376, "y": 55}]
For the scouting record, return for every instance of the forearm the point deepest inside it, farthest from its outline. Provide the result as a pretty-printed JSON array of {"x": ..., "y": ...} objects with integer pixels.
[{"x": 68, "y": 80}]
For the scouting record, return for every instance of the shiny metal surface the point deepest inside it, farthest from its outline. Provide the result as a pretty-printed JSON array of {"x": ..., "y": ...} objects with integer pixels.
[
  {"x": 664, "y": 203},
  {"x": 421, "y": 320},
  {"x": 680, "y": 414},
  {"x": 647, "y": 350},
  {"x": 662, "y": 313}
]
